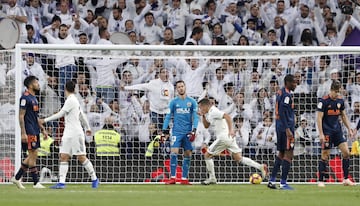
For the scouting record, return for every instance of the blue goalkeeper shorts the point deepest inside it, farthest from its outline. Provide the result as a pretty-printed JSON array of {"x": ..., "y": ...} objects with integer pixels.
[{"x": 180, "y": 140}]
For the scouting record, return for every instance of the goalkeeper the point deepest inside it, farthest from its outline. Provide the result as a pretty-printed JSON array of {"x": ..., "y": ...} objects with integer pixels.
[{"x": 183, "y": 109}]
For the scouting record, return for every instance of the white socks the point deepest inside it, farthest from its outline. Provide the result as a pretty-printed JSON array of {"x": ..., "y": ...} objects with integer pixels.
[
  {"x": 63, "y": 169},
  {"x": 249, "y": 162},
  {"x": 210, "y": 168},
  {"x": 90, "y": 169}
]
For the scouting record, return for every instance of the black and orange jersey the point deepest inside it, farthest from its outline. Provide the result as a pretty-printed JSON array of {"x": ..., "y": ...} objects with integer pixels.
[
  {"x": 284, "y": 110},
  {"x": 332, "y": 109},
  {"x": 29, "y": 103}
]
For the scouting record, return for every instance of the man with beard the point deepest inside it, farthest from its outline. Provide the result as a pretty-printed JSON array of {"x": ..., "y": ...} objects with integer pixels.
[{"x": 30, "y": 132}]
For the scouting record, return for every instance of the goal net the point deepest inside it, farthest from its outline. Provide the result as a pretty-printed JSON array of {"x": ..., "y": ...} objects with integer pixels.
[{"x": 240, "y": 80}]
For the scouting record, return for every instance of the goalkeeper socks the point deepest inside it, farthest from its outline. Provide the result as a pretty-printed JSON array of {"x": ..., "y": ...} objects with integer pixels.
[
  {"x": 275, "y": 169},
  {"x": 250, "y": 162},
  {"x": 90, "y": 169},
  {"x": 63, "y": 169},
  {"x": 322, "y": 168},
  {"x": 210, "y": 168},
  {"x": 34, "y": 174},
  {"x": 185, "y": 167},
  {"x": 285, "y": 167},
  {"x": 173, "y": 164},
  {"x": 24, "y": 167},
  {"x": 345, "y": 166}
]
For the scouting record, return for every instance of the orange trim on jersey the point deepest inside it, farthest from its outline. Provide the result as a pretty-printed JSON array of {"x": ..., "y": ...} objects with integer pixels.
[
  {"x": 31, "y": 139},
  {"x": 333, "y": 112},
  {"x": 36, "y": 108}
]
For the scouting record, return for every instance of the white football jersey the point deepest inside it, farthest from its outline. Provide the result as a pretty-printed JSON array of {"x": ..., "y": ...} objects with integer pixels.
[
  {"x": 216, "y": 118},
  {"x": 74, "y": 116}
]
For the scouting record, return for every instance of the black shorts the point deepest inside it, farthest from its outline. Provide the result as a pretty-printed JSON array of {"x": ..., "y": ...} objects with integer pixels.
[
  {"x": 33, "y": 142},
  {"x": 284, "y": 143},
  {"x": 333, "y": 140}
]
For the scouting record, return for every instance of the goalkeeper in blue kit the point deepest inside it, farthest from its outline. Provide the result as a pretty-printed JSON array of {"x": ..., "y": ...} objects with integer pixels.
[{"x": 183, "y": 109}]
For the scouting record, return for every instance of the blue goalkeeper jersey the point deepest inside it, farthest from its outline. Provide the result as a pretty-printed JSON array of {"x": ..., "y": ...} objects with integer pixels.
[
  {"x": 184, "y": 114},
  {"x": 332, "y": 109}
]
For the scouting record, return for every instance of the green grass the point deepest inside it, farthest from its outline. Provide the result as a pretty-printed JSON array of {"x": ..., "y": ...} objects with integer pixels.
[{"x": 197, "y": 195}]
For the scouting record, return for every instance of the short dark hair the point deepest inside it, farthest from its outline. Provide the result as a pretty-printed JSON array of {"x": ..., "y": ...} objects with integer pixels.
[
  {"x": 179, "y": 81},
  {"x": 289, "y": 78},
  {"x": 148, "y": 14},
  {"x": 204, "y": 101},
  {"x": 335, "y": 85},
  {"x": 28, "y": 80},
  {"x": 70, "y": 86},
  {"x": 28, "y": 27}
]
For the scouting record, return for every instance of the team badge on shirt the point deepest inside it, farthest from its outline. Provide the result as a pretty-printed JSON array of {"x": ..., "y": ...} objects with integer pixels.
[
  {"x": 320, "y": 105},
  {"x": 23, "y": 102},
  {"x": 287, "y": 100},
  {"x": 188, "y": 104}
]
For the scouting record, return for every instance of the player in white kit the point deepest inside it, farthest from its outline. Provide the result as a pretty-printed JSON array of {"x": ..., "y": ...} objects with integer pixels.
[
  {"x": 224, "y": 140},
  {"x": 73, "y": 140}
]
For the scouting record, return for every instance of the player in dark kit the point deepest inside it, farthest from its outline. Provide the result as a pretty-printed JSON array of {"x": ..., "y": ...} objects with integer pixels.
[
  {"x": 30, "y": 132},
  {"x": 285, "y": 126},
  {"x": 330, "y": 107}
]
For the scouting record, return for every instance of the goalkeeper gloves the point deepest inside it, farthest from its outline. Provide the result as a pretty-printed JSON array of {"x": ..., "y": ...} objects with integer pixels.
[
  {"x": 164, "y": 135},
  {"x": 192, "y": 135}
]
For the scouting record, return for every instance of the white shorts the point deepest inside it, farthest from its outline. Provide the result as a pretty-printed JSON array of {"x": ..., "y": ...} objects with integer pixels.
[
  {"x": 222, "y": 144},
  {"x": 74, "y": 145}
]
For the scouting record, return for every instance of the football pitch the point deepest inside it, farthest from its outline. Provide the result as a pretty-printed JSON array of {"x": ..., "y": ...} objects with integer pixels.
[{"x": 174, "y": 195}]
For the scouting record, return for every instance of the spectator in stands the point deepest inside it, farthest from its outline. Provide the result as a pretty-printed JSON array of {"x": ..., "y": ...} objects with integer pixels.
[
  {"x": 100, "y": 22},
  {"x": 325, "y": 88},
  {"x": 322, "y": 71},
  {"x": 264, "y": 136},
  {"x": 116, "y": 21},
  {"x": 230, "y": 31},
  {"x": 176, "y": 21},
  {"x": 272, "y": 39},
  {"x": 160, "y": 92},
  {"x": 217, "y": 32},
  {"x": 96, "y": 116},
  {"x": 226, "y": 102},
  {"x": 32, "y": 36},
  {"x": 242, "y": 132},
  {"x": 260, "y": 104},
  {"x": 303, "y": 139},
  {"x": 252, "y": 85},
  {"x": 35, "y": 13},
  {"x": 18, "y": 14},
  {"x": 85, "y": 97},
  {"x": 78, "y": 26},
  {"x": 304, "y": 21},
  {"x": 65, "y": 64},
  {"x": 150, "y": 32},
  {"x": 30, "y": 68},
  {"x": 64, "y": 14},
  {"x": 83, "y": 38},
  {"x": 168, "y": 37},
  {"x": 302, "y": 87},
  {"x": 217, "y": 84},
  {"x": 353, "y": 85},
  {"x": 192, "y": 71},
  {"x": 52, "y": 29},
  {"x": 105, "y": 72}
]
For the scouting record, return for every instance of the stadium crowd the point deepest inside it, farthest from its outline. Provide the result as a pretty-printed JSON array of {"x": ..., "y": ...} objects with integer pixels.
[{"x": 133, "y": 94}]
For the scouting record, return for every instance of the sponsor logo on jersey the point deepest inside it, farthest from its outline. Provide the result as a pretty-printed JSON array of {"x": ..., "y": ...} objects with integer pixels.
[{"x": 182, "y": 110}]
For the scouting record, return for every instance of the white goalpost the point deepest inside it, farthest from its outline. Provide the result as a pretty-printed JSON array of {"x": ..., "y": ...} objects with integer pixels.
[{"x": 250, "y": 75}]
